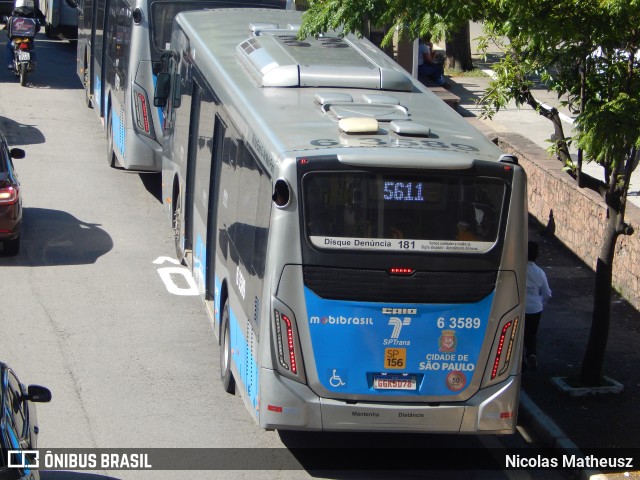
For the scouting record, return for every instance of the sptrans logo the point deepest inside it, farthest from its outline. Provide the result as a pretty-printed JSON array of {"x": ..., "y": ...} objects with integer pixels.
[
  {"x": 397, "y": 323},
  {"x": 340, "y": 320}
]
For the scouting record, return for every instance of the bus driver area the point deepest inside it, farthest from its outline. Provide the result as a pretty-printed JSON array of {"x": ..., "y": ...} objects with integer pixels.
[{"x": 356, "y": 243}]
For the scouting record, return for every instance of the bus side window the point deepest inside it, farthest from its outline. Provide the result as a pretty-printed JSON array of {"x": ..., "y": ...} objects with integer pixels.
[
  {"x": 246, "y": 208},
  {"x": 263, "y": 217}
]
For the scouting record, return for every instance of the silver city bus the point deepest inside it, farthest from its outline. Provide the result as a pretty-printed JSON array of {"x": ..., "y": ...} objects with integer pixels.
[
  {"x": 360, "y": 249},
  {"x": 120, "y": 45}
]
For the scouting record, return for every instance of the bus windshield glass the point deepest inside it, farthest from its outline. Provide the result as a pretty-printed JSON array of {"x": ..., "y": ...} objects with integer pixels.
[
  {"x": 163, "y": 13},
  {"x": 429, "y": 213}
]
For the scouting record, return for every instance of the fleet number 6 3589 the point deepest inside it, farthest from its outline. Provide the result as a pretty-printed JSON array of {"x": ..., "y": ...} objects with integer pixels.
[{"x": 459, "y": 322}]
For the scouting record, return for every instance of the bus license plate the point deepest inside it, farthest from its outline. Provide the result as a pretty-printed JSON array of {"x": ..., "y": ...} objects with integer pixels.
[
  {"x": 24, "y": 56},
  {"x": 386, "y": 382}
]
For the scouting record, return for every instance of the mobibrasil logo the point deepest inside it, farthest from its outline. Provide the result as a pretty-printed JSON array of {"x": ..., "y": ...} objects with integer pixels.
[{"x": 340, "y": 320}]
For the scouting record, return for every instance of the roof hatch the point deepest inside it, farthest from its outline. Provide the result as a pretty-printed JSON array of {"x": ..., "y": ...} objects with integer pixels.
[{"x": 278, "y": 59}]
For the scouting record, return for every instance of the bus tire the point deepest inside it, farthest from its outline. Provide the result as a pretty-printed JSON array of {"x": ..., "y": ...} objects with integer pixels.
[
  {"x": 87, "y": 86},
  {"x": 176, "y": 225},
  {"x": 228, "y": 382}
]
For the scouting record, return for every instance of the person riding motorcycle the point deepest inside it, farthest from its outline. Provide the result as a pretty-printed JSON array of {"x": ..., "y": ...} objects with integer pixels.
[{"x": 24, "y": 9}]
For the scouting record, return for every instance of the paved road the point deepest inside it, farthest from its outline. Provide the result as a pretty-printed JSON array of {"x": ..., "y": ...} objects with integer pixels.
[{"x": 87, "y": 314}]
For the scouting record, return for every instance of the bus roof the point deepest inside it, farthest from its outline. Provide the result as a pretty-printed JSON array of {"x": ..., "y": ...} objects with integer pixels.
[{"x": 296, "y": 98}]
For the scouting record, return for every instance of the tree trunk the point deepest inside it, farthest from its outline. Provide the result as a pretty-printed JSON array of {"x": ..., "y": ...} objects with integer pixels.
[
  {"x": 459, "y": 49},
  {"x": 592, "y": 364}
]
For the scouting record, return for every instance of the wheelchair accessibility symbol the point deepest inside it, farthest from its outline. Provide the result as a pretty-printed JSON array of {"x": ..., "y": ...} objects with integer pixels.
[{"x": 336, "y": 380}]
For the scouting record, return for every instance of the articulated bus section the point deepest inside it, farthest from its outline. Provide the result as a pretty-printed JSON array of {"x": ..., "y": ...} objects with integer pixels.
[{"x": 119, "y": 55}]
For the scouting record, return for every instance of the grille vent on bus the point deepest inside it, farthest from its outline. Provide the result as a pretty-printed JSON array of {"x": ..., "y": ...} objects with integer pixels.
[
  {"x": 296, "y": 43},
  {"x": 378, "y": 286},
  {"x": 276, "y": 58}
]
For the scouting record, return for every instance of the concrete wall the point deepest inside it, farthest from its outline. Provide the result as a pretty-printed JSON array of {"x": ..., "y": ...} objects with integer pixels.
[{"x": 575, "y": 216}]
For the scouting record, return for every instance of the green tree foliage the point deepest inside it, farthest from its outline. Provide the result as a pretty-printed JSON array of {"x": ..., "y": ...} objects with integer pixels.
[
  {"x": 587, "y": 51},
  {"x": 409, "y": 18}
]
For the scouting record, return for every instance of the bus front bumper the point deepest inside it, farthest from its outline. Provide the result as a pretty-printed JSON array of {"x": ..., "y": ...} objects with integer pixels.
[{"x": 492, "y": 410}]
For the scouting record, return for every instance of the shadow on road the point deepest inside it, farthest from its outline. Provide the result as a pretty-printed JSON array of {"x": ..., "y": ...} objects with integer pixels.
[
  {"x": 53, "y": 237},
  {"x": 18, "y": 134},
  {"x": 153, "y": 183}
]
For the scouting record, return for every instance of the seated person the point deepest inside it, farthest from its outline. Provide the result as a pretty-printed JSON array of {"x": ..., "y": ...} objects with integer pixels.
[{"x": 428, "y": 66}]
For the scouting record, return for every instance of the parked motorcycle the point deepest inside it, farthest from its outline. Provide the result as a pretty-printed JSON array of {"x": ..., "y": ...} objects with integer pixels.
[{"x": 22, "y": 32}]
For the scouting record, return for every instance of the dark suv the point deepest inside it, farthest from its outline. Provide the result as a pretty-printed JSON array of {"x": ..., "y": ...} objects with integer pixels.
[
  {"x": 18, "y": 424},
  {"x": 10, "y": 199}
]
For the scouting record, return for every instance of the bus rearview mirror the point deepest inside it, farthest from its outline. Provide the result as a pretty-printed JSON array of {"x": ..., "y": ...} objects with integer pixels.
[
  {"x": 163, "y": 88},
  {"x": 176, "y": 100}
]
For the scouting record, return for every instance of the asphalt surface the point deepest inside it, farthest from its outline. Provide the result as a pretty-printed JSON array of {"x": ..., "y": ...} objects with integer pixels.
[{"x": 607, "y": 422}]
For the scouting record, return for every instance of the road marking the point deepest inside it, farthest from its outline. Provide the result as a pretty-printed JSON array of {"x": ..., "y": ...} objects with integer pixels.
[{"x": 167, "y": 275}]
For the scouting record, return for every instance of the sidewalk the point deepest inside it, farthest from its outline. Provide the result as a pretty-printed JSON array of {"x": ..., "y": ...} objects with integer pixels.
[{"x": 556, "y": 418}]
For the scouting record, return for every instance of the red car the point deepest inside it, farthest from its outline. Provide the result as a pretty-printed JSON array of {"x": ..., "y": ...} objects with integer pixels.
[{"x": 10, "y": 201}]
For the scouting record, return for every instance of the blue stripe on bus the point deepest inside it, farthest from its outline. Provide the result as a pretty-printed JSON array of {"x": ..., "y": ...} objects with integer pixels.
[
  {"x": 438, "y": 344},
  {"x": 243, "y": 357},
  {"x": 97, "y": 87},
  {"x": 119, "y": 133},
  {"x": 199, "y": 256},
  {"x": 159, "y": 109},
  {"x": 216, "y": 302}
]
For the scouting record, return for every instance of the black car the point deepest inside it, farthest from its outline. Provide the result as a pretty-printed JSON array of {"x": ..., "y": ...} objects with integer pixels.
[
  {"x": 10, "y": 199},
  {"x": 18, "y": 424}
]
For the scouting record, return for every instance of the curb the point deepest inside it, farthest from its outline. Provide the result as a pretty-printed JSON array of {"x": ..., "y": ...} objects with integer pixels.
[{"x": 548, "y": 433}]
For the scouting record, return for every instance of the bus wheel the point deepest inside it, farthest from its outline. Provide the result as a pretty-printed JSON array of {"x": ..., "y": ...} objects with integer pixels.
[
  {"x": 87, "y": 93},
  {"x": 228, "y": 383},
  {"x": 177, "y": 228}
]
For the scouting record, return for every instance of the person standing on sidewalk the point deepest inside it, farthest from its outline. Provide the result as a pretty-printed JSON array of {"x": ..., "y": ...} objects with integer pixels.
[{"x": 538, "y": 293}]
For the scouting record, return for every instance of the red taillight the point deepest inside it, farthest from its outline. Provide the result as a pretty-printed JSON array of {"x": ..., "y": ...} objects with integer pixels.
[
  {"x": 401, "y": 271},
  {"x": 507, "y": 358},
  {"x": 494, "y": 372},
  {"x": 284, "y": 339},
  {"x": 292, "y": 356},
  {"x": 9, "y": 195},
  {"x": 303, "y": 161},
  {"x": 23, "y": 46}
]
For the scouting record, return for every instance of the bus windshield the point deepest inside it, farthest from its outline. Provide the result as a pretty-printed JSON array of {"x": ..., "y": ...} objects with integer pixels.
[
  {"x": 363, "y": 211},
  {"x": 163, "y": 13}
]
